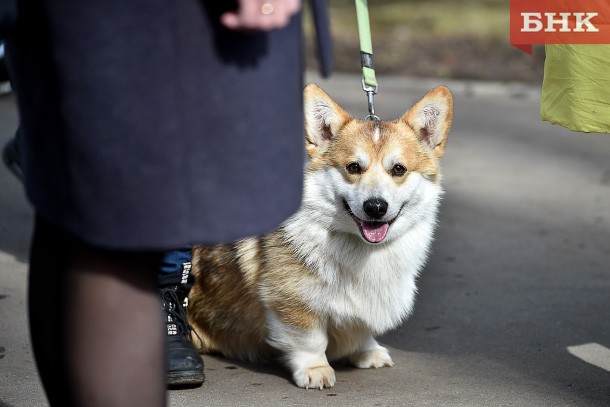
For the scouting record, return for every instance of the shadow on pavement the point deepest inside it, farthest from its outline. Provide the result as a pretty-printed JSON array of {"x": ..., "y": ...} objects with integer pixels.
[{"x": 15, "y": 213}]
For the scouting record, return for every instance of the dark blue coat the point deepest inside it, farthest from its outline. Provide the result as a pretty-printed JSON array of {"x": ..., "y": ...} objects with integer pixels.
[{"x": 146, "y": 125}]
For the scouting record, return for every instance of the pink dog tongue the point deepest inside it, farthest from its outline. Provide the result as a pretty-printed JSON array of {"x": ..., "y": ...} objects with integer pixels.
[{"x": 374, "y": 232}]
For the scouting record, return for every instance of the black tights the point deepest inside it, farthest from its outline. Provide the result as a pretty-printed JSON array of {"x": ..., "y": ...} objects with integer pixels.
[{"x": 95, "y": 323}]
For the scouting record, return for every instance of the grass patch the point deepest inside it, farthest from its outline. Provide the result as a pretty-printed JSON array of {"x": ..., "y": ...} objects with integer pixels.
[
  {"x": 431, "y": 18},
  {"x": 466, "y": 39}
]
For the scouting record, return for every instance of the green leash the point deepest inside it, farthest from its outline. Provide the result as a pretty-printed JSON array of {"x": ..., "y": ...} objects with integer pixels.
[{"x": 369, "y": 81}]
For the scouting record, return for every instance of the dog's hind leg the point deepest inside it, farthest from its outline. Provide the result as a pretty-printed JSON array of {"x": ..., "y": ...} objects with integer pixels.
[
  {"x": 371, "y": 354},
  {"x": 304, "y": 352}
]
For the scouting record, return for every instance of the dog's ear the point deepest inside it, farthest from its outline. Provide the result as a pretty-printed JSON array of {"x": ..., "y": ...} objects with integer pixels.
[
  {"x": 323, "y": 119},
  {"x": 431, "y": 118}
]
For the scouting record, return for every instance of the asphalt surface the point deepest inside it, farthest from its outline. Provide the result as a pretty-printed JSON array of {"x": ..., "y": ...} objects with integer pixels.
[{"x": 514, "y": 304}]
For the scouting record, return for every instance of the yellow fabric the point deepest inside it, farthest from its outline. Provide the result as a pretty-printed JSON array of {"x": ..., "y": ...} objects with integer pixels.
[{"x": 576, "y": 87}]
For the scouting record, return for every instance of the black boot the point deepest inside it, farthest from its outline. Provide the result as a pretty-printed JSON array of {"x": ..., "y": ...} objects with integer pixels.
[{"x": 185, "y": 365}]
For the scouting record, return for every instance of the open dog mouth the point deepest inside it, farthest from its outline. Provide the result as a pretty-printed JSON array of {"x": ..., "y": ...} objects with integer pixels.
[{"x": 371, "y": 231}]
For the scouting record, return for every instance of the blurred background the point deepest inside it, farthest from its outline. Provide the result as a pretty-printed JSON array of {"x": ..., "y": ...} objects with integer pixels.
[{"x": 458, "y": 39}]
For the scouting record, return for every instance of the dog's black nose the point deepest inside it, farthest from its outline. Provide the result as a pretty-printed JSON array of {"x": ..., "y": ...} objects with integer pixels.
[{"x": 375, "y": 207}]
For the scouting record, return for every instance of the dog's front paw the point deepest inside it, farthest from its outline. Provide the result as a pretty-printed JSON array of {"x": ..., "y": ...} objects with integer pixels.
[
  {"x": 318, "y": 377},
  {"x": 375, "y": 358}
]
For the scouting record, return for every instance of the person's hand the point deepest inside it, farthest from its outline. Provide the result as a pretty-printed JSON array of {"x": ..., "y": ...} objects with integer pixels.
[{"x": 260, "y": 15}]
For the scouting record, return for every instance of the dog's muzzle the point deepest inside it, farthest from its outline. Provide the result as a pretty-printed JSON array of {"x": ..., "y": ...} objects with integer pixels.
[{"x": 372, "y": 231}]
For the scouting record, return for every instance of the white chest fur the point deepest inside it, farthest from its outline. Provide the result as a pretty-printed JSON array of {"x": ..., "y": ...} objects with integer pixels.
[{"x": 357, "y": 282}]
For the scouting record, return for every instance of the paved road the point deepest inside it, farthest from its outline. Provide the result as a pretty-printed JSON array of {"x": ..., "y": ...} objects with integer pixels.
[{"x": 513, "y": 306}]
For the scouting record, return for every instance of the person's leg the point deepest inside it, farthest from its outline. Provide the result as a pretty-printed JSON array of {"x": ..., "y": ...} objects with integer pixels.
[
  {"x": 96, "y": 323},
  {"x": 12, "y": 157},
  {"x": 46, "y": 297},
  {"x": 176, "y": 262},
  {"x": 184, "y": 364}
]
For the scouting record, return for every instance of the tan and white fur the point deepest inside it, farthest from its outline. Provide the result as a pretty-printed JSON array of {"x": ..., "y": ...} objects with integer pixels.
[{"x": 343, "y": 268}]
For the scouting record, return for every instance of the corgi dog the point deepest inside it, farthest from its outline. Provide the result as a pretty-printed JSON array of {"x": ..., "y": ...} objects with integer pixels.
[{"x": 343, "y": 268}]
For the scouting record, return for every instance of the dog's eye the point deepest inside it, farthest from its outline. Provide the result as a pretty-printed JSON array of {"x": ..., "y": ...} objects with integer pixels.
[
  {"x": 354, "y": 168},
  {"x": 398, "y": 170}
]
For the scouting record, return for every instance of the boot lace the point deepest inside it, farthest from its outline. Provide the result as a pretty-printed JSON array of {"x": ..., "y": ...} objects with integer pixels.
[{"x": 176, "y": 311}]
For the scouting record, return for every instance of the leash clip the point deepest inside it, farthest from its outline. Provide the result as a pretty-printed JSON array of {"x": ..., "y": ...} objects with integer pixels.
[{"x": 370, "y": 93}]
